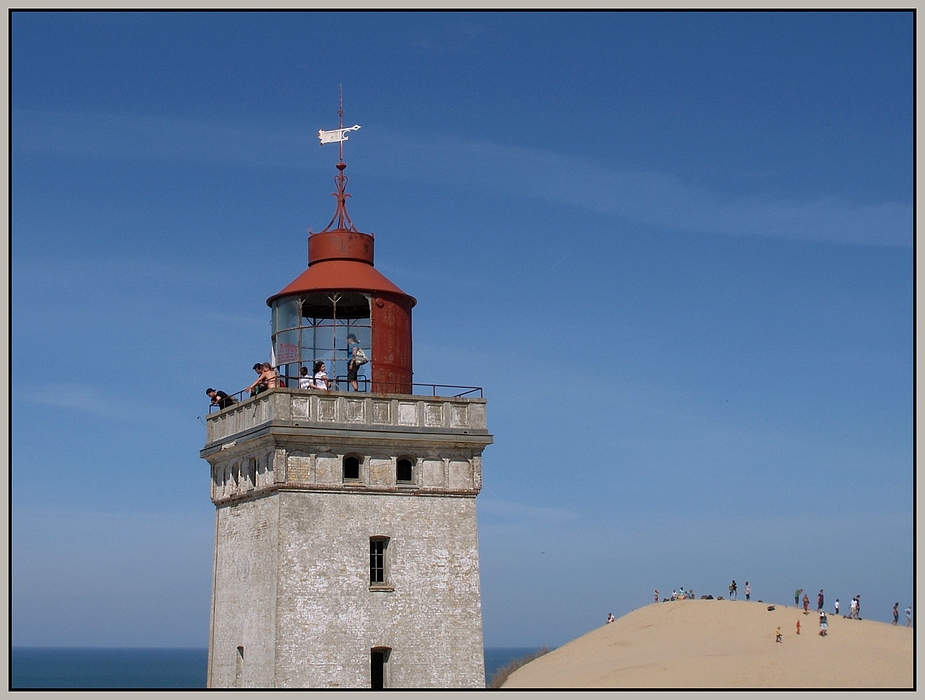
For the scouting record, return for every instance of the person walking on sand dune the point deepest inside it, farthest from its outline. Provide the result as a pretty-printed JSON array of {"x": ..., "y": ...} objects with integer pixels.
[
  {"x": 895, "y": 613},
  {"x": 836, "y": 607},
  {"x": 820, "y": 599},
  {"x": 823, "y": 624},
  {"x": 656, "y": 595},
  {"x": 805, "y": 604},
  {"x": 796, "y": 596},
  {"x": 908, "y": 617},
  {"x": 748, "y": 591},
  {"x": 732, "y": 589},
  {"x": 798, "y": 626},
  {"x": 778, "y": 634}
]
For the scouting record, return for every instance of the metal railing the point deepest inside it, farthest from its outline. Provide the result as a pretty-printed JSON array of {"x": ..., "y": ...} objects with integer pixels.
[{"x": 341, "y": 384}]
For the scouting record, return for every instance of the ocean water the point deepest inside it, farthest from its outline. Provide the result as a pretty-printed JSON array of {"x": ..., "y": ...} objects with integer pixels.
[
  {"x": 33, "y": 667},
  {"x": 45, "y": 668}
]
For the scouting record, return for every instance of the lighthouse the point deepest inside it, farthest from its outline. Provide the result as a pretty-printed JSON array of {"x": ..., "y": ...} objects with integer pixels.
[{"x": 346, "y": 546}]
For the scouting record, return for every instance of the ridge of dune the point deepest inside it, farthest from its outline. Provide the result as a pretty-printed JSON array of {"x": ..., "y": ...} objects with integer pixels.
[{"x": 726, "y": 644}]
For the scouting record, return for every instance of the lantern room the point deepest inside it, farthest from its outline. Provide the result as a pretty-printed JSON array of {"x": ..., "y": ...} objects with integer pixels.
[{"x": 341, "y": 294}]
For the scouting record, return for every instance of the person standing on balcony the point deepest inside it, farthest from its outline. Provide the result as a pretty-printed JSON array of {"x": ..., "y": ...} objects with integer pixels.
[
  {"x": 266, "y": 379},
  {"x": 219, "y": 398},
  {"x": 320, "y": 377},
  {"x": 305, "y": 382},
  {"x": 353, "y": 346}
]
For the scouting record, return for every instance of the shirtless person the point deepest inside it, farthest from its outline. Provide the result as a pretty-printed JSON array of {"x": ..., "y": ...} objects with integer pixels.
[{"x": 266, "y": 379}]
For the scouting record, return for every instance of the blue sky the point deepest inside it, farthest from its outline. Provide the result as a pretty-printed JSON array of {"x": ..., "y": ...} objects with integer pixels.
[{"x": 674, "y": 248}]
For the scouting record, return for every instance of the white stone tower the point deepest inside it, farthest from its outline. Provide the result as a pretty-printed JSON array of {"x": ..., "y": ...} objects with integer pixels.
[{"x": 346, "y": 550}]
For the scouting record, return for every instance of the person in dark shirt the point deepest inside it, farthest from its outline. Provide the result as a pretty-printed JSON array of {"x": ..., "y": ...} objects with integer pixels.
[{"x": 219, "y": 398}]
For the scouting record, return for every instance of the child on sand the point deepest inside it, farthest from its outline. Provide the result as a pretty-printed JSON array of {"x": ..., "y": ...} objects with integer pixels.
[
  {"x": 778, "y": 633},
  {"x": 798, "y": 626}
]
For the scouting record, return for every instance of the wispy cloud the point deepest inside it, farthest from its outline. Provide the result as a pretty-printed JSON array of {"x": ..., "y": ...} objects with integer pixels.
[
  {"x": 158, "y": 138},
  {"x": 80, "y": 398},
  {"x": 640, "y": 196}
]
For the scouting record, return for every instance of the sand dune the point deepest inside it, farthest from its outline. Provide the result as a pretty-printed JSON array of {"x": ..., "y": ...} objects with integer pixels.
[{"x": 726, "y": 644}]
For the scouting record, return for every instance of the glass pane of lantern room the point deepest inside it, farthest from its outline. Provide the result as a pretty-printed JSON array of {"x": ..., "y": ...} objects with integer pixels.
[
  {"x": 327, "y": 318},
  {"x": 285, "y": 315},
  {"x": 286, "y": 348},
  {"x": 320, "y": 342}
]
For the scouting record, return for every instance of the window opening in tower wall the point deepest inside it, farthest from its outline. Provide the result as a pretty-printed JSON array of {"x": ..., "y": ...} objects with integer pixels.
[
  {"x": 404, "y": 470},
  {"x": 377, "y": 549},
  {"x": 351, "y": 468}
]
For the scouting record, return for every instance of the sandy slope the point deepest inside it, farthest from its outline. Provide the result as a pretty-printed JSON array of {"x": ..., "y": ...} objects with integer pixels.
[{"x": 726, "y": 644}]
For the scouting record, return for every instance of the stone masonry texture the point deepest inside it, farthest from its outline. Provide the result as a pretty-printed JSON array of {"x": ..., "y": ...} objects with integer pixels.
[{"x": 293, "y": 605}]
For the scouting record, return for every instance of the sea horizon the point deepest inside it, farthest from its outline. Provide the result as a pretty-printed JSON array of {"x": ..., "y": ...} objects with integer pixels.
[{"x": 126, "y": 668}]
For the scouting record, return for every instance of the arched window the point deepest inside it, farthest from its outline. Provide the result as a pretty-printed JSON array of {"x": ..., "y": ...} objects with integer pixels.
[
  {"x": 351, "y": 468},
  {"x": 404, "y": 470}
]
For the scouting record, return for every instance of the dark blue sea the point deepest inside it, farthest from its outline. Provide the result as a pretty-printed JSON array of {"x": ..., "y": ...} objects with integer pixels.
[{"x": 45, "y": 668}]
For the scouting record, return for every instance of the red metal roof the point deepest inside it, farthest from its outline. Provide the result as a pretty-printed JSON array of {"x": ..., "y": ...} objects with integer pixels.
[{"x": 348, "y": 275}]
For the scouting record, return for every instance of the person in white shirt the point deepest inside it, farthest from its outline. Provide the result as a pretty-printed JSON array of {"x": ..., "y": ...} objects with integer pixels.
[
  {"x": 305, "y": 382},
  {"x": 320, "y": 379}
]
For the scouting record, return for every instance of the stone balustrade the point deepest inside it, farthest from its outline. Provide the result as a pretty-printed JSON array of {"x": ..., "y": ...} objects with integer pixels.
[{"x": 349, "y": 410}]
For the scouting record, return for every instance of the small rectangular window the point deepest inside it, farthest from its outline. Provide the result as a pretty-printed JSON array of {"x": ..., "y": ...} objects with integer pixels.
[
  {"x": 377, "y": 549},
  {"x": 239, "y": 668},
  {"x": 379, "y": 662}
]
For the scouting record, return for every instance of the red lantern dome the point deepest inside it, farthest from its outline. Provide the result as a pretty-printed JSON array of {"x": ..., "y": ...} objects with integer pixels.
[{"x": 340, "y": 294}]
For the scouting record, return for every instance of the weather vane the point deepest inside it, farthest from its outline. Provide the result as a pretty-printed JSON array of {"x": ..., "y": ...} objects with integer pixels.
[{"x": 338, "y": 136}]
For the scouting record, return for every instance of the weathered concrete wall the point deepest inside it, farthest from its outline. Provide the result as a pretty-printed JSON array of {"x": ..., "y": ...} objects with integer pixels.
[
  {"x": 348, "y": 410},
  {"x": 428, "y": 612},
  {"x": 244, "y": 588},
  {"x": 292, "y": 565}
]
